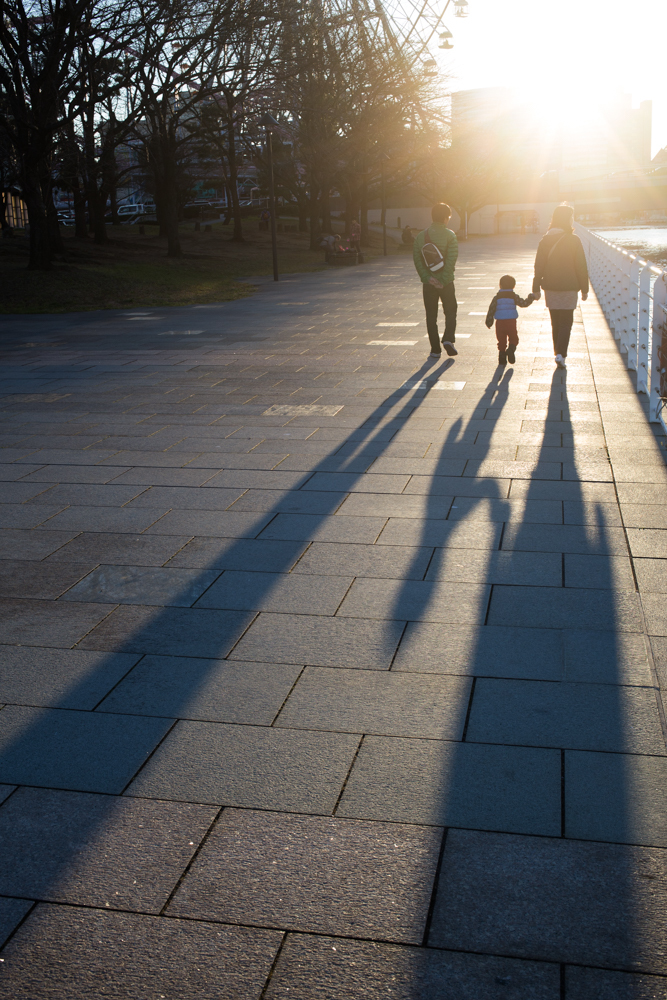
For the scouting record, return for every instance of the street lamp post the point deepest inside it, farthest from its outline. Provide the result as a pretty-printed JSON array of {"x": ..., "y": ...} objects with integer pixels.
[
  {"x": 383, "y": 207},
  {"x": 269, "y": 123}
]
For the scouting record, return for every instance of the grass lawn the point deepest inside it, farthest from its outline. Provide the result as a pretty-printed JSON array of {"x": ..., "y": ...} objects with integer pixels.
[{"x": 132, "y": 269}]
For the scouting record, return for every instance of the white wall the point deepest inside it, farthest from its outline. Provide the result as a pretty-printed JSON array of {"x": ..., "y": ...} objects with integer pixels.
[{"x": 482, "y": 223}]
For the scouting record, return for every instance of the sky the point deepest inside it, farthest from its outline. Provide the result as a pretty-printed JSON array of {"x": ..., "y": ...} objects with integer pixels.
[{"x": 565, "y": 55}]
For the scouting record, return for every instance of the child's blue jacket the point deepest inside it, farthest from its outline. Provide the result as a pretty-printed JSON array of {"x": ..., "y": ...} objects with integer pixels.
[{"x": 504, "y": 303}]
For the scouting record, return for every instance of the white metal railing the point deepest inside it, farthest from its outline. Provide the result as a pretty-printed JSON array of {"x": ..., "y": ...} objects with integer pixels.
[{"x": 633, "y": 297}]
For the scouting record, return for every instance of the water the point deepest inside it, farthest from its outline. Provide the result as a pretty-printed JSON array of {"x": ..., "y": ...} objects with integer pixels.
[{"x": 649, "y": 242}]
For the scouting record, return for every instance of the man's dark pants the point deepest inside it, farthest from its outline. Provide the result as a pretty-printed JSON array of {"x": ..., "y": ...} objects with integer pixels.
[{"x": 432, "y": 296}]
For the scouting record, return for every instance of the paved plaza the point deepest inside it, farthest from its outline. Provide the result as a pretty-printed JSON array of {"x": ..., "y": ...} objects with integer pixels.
[{"x": 329, "y": 671}]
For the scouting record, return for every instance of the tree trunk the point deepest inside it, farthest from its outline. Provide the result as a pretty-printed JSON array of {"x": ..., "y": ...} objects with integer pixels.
[
  {"x": 113, "y": 195},
  {"x": 40, "y": 246},
  {"x": 4, "y": 224},
  {"x": 315, "y": 231},
  {"x": 170, "y": 205},
  {"x": 80, "y": 227},
  {"x": 55, "y": 236},
  {"x": 302, "y": 209},
  {"x": 237, "y": 235},
  {"x": 364, "y": 210},
  {"x": 325, "y": 202}
]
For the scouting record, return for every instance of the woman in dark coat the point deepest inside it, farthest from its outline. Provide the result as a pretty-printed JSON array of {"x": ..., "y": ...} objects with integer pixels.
[{"x": 560, "y": 269}]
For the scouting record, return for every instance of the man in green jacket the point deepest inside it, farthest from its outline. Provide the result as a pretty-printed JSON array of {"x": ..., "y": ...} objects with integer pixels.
[{"x": 438, "y": 286}]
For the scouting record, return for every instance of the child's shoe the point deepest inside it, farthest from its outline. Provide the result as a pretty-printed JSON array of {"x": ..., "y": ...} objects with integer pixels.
[
  {"x": 449, "y": 347},
  {"x": 560, "y": 361},
  {"x": 511, "y": 356},
  {"x": 502, "y": 357}
]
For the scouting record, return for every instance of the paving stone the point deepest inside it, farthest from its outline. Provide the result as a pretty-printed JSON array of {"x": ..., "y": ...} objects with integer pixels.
[
  {"x": 166, "y": 477},
  {"x": 20, "y": 492},
  {"x": 314, "y": 527},
  {"x": 59, "y": 678},
  {"x": 30, "y": 544},
  {"x": 413, "y": 600},
  {"x": 388, "y": 505},
  {"x": 118, "y": 549},
  {"x": 598, "y": 572},
  {"x": 10, "y": 473},
  {"x": 257, "y": 479},
  {"x": 651, "y": 575},
  {"x": 231, "y": 553},
  {"x": 326, "y": 642},
  {"x": 565, "y": 538},
  {"x": 575, "y": 716},
  {"x": 553, "y": 899},
  {"x": 81, "y": 751},
  {"x": 23, "y": 578},
  {"x": 606, "y": 658},
  {"x": 12, "y": 912},
  {"x": 321, "y": 968},
  {"x": 655, "y": 613},
  {"x": 213, "y": 690},
  {"x": 542, "y": 569},
  {"x": 458, "y": 486},
  {"x": 330, "y": 876},
  {"x": 219, "y": 524},
  {"x": 96, "y": 850},
  {"x": 449, "y": 534},
  {"x": 617, "y": 797},
  {"x": 135, "y": 956},
  {"x": 103, "y": 519},
  {"x": 525, "y": 511},
  {"x": 569, "y": 608},
  {"x": 582, "y": 984},
  {"x": 652, "y": 515},
  {"x": 88, "y": 494},
  {"x": 601, "y": 493},
  {"x": 497, "y": 651},
  {"x": 350, "y": 482},
  {"x": 278, "y": 592},
  {"x": 647, "y": 543},
  {"x": 17, "y": 515},
  {"x": 367, "y": 701},
  {"x": 46, "y": 624},
  {"x": 248, "y": 766},
  {"x": 174, "y": 631},
  {"x": 143, "y": 585},
  {"x": 485, "y": 787},
  {"x": 6, "y": 791},
  {"x": 395, "y": 562},
  {"x": 640, "y": 493},
  {"x": 186, "y": 498},
  {"x": 602, "y": 515}
]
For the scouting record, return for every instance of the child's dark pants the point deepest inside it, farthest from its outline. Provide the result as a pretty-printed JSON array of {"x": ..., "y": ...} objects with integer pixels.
[{"x": 506, "y": 333}]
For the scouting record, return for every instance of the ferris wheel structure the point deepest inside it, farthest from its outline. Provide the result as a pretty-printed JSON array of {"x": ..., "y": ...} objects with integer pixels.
[{"x": 415, "y": 26}]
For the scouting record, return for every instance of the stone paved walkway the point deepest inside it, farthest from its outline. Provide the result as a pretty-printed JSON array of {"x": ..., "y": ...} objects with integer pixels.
[{"x": 326, "y": 670}]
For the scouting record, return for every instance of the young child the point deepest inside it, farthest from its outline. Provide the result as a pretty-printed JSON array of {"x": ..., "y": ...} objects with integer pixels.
[{"x": 503, "y": 310}]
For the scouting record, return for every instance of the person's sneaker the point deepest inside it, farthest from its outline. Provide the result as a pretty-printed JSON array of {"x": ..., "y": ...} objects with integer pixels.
[
  {"x": 560, "y": 361},
  {"x": 449, "y": 347},
  {"x": 435, "y": 354},
  {"x": 511, "y": 356},
  {"x": 502, "y": 359}
]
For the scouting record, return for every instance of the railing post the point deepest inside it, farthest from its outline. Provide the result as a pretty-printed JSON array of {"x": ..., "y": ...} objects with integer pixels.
[
  {"x": 643, "y": 329},
  {"x": 633, "y": 314},
  {"x": 625, "y": 303},
  {"x": 658, "y": 335}
]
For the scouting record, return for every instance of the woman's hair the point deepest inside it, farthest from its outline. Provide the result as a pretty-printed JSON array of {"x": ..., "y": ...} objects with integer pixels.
[{"x": 563, "y": 218}]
